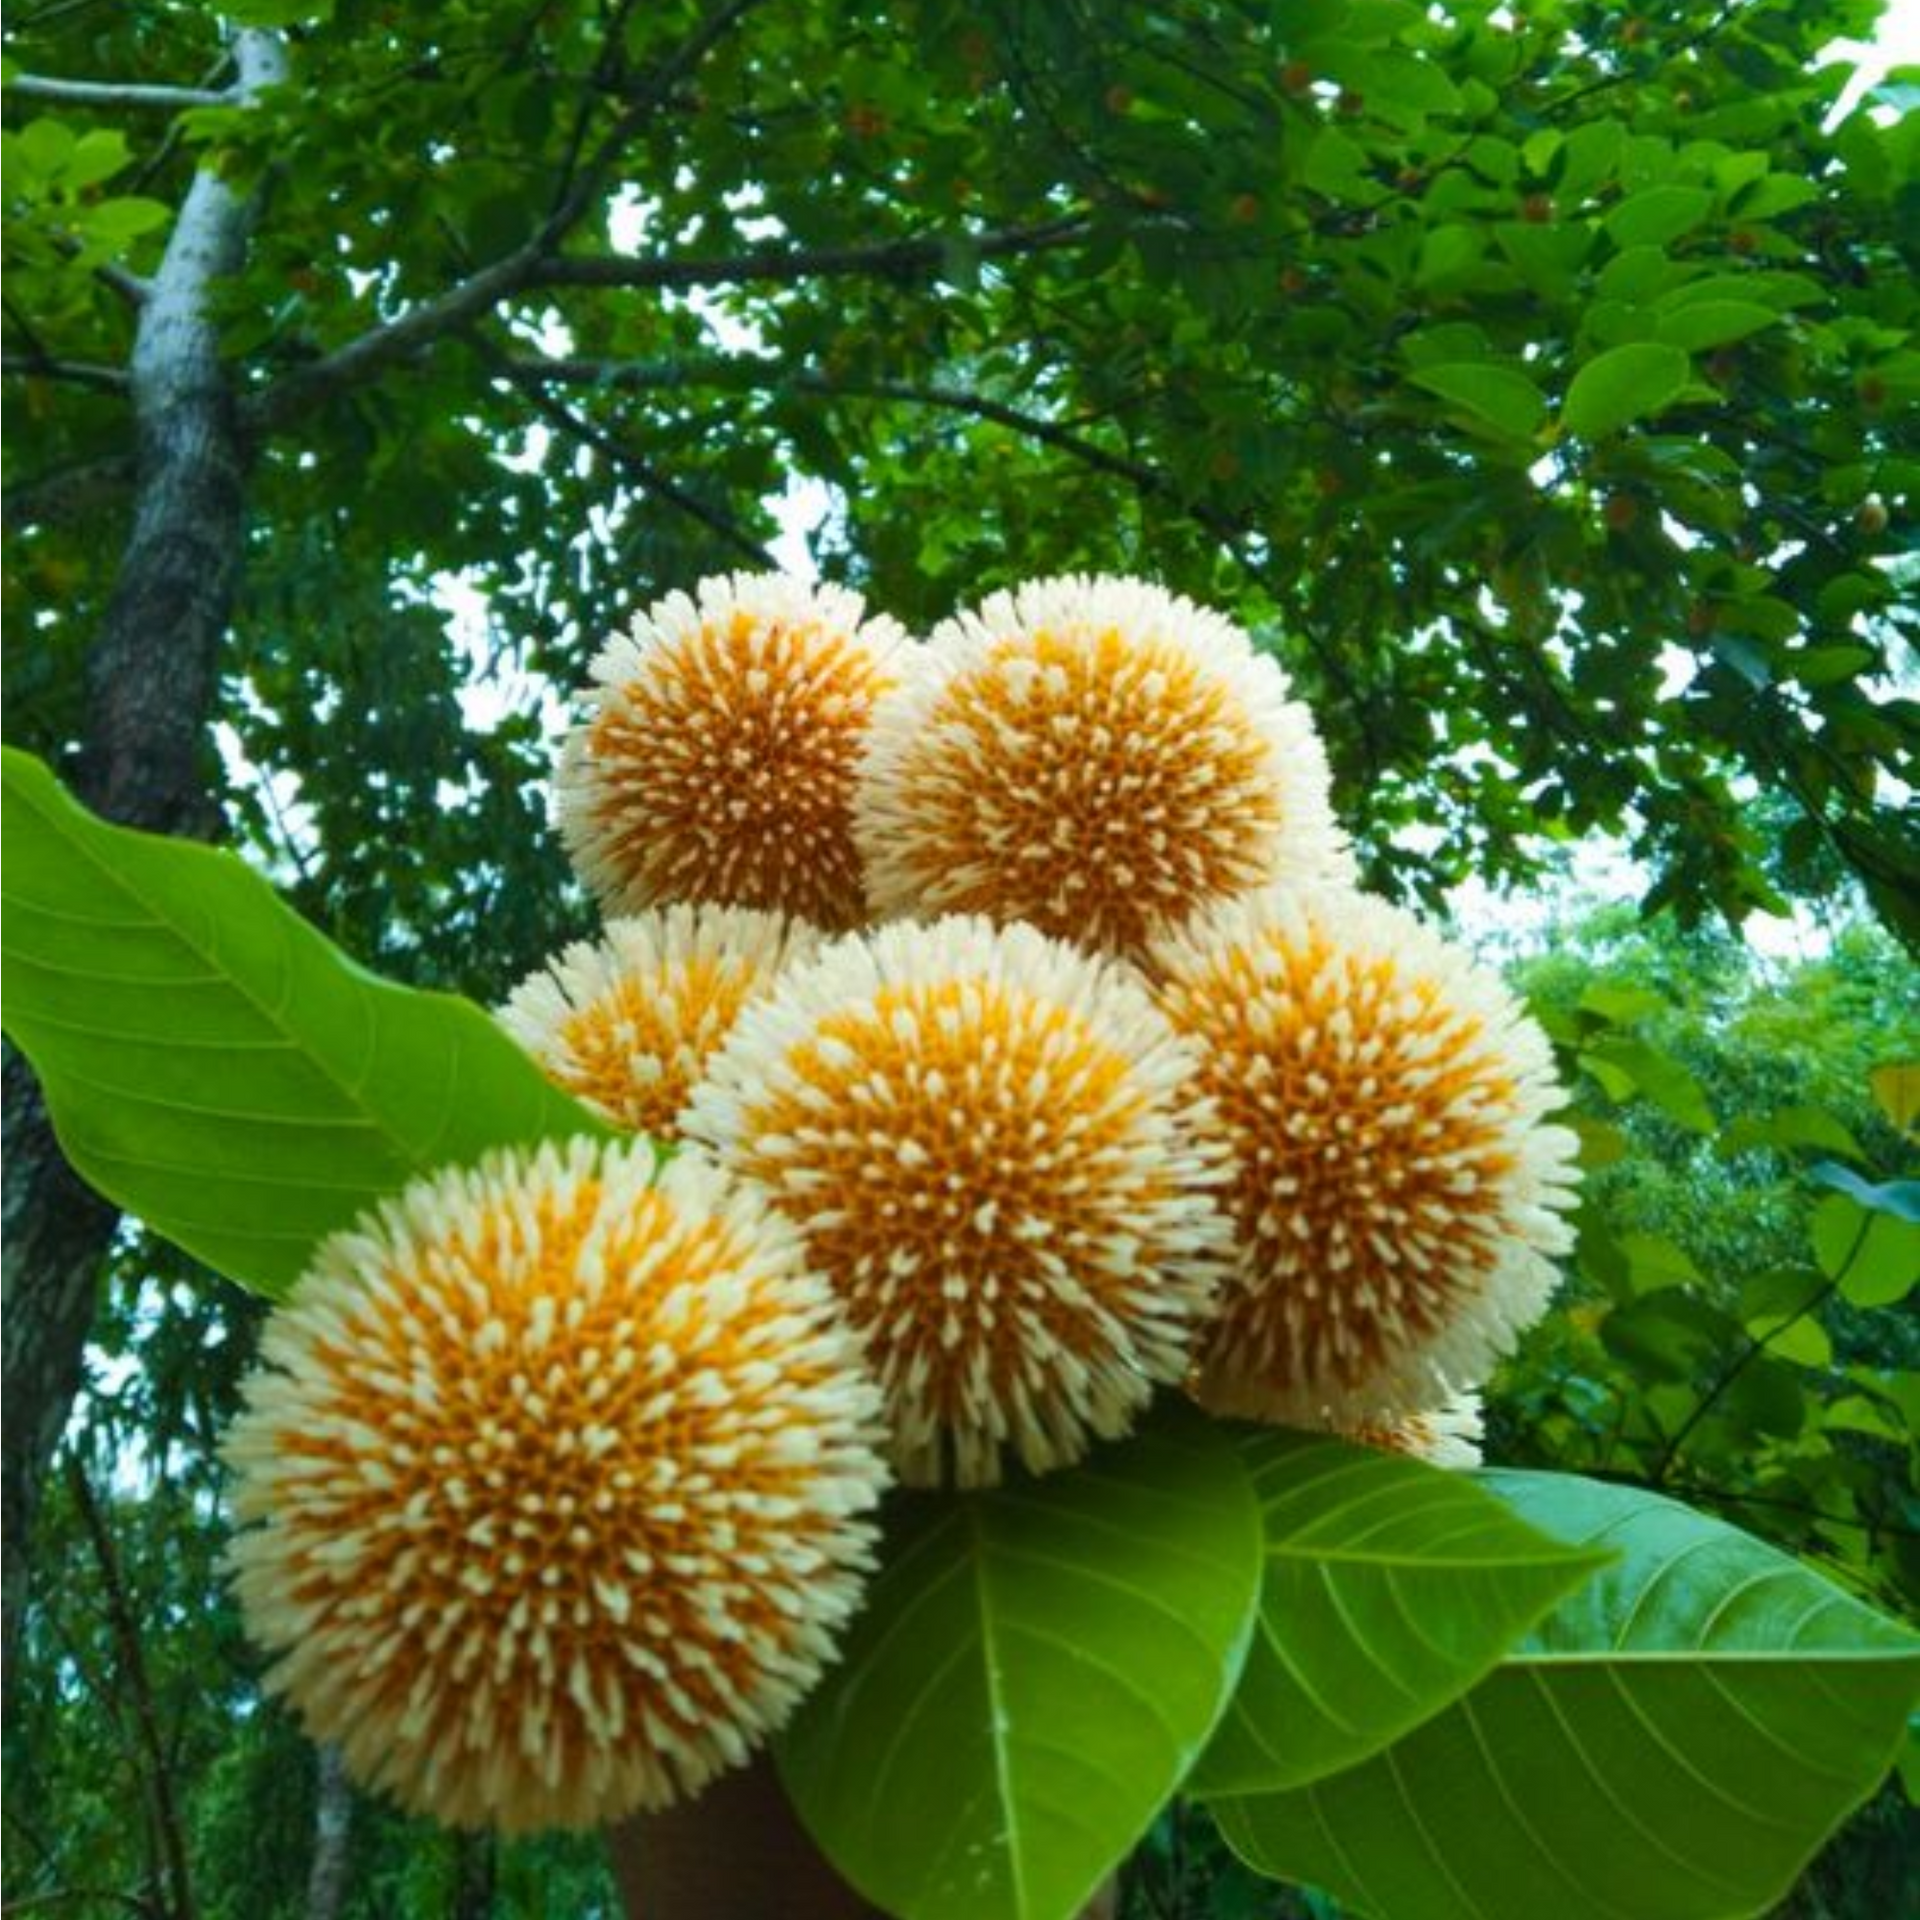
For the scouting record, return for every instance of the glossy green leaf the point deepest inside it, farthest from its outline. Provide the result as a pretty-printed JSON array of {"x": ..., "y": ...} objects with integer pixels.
[
  {"x": 1391, "y": 1587},
  {"x": 1657, "y": 215},
  {"x": 217, "y": 1067},
  {"x": 1624, "y": 383},
  {"x": 1625, "y": 1067},
  {"x": 1672, "y": 1743},
  {"x": 1714, "y": 323},
  {"x": 1496, "y": 397},
  {"x": 1034, "y": 1673},
  {"x": 1871, "y": 1253}
]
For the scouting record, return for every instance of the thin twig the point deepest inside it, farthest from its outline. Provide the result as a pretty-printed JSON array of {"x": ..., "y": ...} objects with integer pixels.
[
  {"x": 110, "y": 94},
  {"x": 126, "y": 1635},
  {"x": 577, "y": 427},
  {"x": 36, "y": 1902},
  {"x": 1757, "y": 1344},
  {"x": 78, "y": 373}
]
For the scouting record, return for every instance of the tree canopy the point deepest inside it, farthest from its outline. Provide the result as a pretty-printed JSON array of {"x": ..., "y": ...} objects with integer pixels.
[{"x": 1534, "y": 382}]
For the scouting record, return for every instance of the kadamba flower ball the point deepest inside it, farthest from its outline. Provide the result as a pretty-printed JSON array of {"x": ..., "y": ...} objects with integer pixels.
[
  {"x": 718, "y": 756},
  {"x": 989, "y": 1144},
  {"x": 626, "y": 1023},
  {"x": 1398, "y": 1189},
  {"x": 1448, "y": 1436},
  {"x": 555, "y": 1477},
  {"x": 1093, "y": 757}
]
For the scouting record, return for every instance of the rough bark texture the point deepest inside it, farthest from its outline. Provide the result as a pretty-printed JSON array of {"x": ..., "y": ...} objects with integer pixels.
[
  {"x": 332, "y": 1832},
  {"x": 151, "y": 676},
  {"x": 53, "y": 1227}
]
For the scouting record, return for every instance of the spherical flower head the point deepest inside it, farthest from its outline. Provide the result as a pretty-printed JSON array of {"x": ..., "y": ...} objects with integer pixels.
[
  {"x": 1095, "y": 757},
  {"x": 718, "y": 756},
  {"x": 626, "y": 1023},
  {"x": 1447, "y": 1436},
  {"x": 992, "y": 1147},
  {"x": 1397, "y": 1189},
  {"x": 557, "y": 1469}
]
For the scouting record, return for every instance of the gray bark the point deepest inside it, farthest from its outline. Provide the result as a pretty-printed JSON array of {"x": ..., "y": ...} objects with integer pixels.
[
  {"x": 151, "y": 675},
  {"x": 332, "y": 1830}
]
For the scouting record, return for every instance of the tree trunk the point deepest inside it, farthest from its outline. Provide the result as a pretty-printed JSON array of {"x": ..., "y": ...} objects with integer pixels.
[
  {"x": 151, "y": 676},
  {"x": 53, "y": 1227},
  {"x": 332, "y": 1829}
]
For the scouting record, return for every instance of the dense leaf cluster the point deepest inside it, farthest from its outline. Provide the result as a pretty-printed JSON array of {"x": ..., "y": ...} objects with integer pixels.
[{"x": 1535, "y": 384}]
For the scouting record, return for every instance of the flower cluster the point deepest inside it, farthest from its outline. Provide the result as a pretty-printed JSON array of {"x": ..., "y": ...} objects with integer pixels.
[{"x": 1029, "y": 1049}]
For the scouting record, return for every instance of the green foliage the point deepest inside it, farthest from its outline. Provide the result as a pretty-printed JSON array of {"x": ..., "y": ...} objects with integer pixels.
[
  {"x": 1673, "y": 1741},
  {"x": 1389, "y": 1590},
  {"x": 1736, "y": 1330},
  {"x": 1532, "y": 383},
  {"x": 215, "y": 1065},
  {"x": 1034, "y": 1673}
]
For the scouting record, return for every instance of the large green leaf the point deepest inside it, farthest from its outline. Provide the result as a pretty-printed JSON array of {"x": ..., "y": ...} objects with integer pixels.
[
  {"x": 1497, "y": 397},
  {"x": 1625, "y": 383},
  {"x": 1672, "y": 1743},
  {"x": 1391, "y": 1587},
  {"x": 1035, "y": 1671},
  {"x": 216, "y": 1066}
]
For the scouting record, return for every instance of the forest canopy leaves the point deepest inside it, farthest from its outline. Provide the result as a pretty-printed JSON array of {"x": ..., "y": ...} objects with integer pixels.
[
  {"x": 218, "y": 1067},
  {"x": 1672, "y": 1742},
  {"x": 1013, "y": 291}
]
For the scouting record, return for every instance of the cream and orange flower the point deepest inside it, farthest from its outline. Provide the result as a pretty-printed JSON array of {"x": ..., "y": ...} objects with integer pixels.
[
  {"x": 556, "y": 1471},
  {"x": 718, "y": 758},
  {"x": 1398, "y": 1189},
  {"x": 1093, "y": 757},
  {"x": 991, "y": 1145},
  {"x": 1446, "y": 1436},
  {"x": 626, "y": 1023}
]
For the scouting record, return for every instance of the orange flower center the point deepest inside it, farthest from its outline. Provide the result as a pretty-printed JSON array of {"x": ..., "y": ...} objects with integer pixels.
[
  {"x": 1368, "y": 1122},
  {"x": 726, "y": 773},
  {"x": 979, "y": 1147},
  {"x": 1103, "y": 783},
  {"x": 636, "y": 1050}
]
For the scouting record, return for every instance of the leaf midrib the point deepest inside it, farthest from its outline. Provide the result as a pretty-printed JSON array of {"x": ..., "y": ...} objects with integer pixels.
[
  {"x": 1715, "y": 1656},
  {"x": 1453, "y": 1564},
  {"x": 996, "y": 1716}
]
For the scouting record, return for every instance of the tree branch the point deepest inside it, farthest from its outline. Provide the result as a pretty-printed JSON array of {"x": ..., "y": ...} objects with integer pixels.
[
  {"x": 110, "y": 94},
  {"x": 79, "y": 373},
  {"x": 66, "y": 1896},
  {"x": 726, "y": 373},
  {"x": 577, "y": 427},
  {"x": 129, "y": 286},
  {"x": 373, "y": 352},
  {"x": 133, "y": 1666},
  {"x": 70, "y": 492},
  {"x": 646, "y": 101},
  {"x": 777, "y": 265}
]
